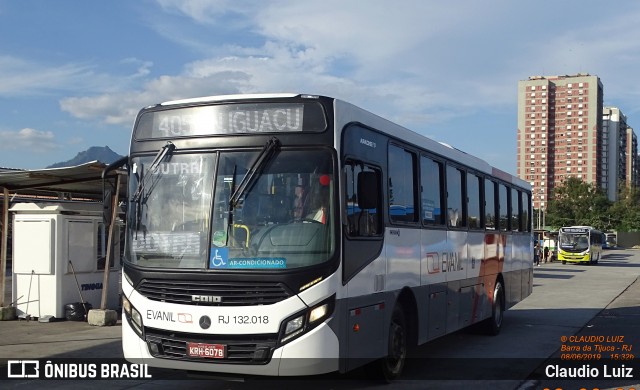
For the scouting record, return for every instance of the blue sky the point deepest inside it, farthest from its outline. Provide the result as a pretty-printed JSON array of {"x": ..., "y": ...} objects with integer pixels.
[{"x": 73, "y": 74}]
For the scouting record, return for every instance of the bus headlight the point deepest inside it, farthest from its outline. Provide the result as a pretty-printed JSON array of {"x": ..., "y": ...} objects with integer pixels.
[
  {"x": 293, "y": 328},
  {"x": 137, "y": 319},
  {"x": 132, "y": 315},
  {"x": 318, "y": 313},
  {"x": 307, "y": 320}
]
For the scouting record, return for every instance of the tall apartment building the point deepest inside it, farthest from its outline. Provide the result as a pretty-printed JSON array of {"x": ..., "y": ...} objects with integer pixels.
[
  {"x": 637, "y": 172},
  {"x": 621, "y": 153},
  {"x": 633, "y": 170},
  {"x": 559, "y": 132}
]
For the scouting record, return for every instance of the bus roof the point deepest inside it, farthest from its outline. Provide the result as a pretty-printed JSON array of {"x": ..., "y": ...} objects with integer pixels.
[
  {"x": 220, "y": 98},
  {"x": 350, "y": 113}
]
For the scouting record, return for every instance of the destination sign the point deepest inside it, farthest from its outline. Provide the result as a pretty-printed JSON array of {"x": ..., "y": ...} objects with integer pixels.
[
  {"x": 575, "y": 230},
  {"x": 231, "y": 119},
  {"x": 168, "y": 243}
]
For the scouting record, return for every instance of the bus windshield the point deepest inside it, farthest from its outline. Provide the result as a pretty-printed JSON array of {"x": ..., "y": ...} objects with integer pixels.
[
  {"x": 574, "y": 242},
  {"x": 185, "y": 217}
]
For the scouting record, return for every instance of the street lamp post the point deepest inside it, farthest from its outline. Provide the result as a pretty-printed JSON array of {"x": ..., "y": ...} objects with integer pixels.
[{"x": 541, "y": 216}]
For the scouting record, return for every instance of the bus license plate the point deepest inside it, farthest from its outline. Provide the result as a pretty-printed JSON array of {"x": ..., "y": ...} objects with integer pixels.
[{"x": 212, "y": 351}]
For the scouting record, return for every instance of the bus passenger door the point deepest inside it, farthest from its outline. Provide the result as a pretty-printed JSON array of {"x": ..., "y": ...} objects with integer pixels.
[{"x": 364, "y": 265}]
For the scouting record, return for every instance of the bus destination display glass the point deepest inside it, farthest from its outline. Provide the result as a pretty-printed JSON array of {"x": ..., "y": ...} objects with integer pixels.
[{"x": 231, "y": 119}]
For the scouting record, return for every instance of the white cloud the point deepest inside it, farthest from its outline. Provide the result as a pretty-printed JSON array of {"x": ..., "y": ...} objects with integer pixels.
[
  {"x": 415, "y": 62},
  {"x": 19, "y": 77},
  {"x": 122, "y": 107},
  {"x": 204, "y": 11},
  {"x": 27, "y": 139},
  {"x": 143, "y": 68},
  {"x": 375, "y": 53}
]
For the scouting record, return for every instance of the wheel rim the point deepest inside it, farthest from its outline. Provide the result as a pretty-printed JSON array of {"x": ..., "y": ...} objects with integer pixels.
[
  {"x": 498, "y": 312},
  {"x": 397, "y": 348}
]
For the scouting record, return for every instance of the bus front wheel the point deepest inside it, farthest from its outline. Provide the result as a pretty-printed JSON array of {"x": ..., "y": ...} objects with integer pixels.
[{"x": 390, "y": 367}]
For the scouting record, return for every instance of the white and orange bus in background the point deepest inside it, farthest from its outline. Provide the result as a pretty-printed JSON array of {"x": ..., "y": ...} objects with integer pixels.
[{"x": 293, "y": 234}]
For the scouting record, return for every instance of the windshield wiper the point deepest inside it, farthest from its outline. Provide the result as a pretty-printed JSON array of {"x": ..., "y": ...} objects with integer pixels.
[
  {"x": 166, "y": 150},
  {"x": 256, "y": 167}
]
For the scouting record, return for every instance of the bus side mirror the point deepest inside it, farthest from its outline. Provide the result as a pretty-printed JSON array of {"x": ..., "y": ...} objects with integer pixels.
[{"x": 368, "y": 190}]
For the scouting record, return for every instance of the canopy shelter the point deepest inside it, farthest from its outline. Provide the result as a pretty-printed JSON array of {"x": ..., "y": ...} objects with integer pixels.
[
  {"x": 81, "y": 181},
  {"x": 86, "y": 182}
]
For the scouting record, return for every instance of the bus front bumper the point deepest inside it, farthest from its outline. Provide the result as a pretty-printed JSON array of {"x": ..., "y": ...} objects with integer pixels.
[
  {"x": 575, "y": 258},
  {"x": 313, "y": 353}
]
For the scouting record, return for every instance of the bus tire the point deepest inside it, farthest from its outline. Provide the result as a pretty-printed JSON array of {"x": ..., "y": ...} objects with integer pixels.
[
  {"x": 493, "y": 324},
  {"x": 564, "y": 262},
  {"x": 390, "y": 367}
]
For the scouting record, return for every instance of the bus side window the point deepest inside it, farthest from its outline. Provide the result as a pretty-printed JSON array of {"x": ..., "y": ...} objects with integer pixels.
[
  {"x": 503, "y": 207},
  {"x": 474, "y": 220},
  {"x": 524, "y": 212},
  {"x": 432, "y": 187},
  {"x": 489, "y": 204},
  {"x": 363, "y": 198},
  {"x": 456, "y": 208},
  {"x": 402, "y": 185},
  {"x": 516, "y": 210}
]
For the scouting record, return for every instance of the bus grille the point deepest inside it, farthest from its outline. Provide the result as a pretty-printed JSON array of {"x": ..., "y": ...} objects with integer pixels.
[
  {"x": 249, "y": 349},
  {"x": 213, "y": 293}
]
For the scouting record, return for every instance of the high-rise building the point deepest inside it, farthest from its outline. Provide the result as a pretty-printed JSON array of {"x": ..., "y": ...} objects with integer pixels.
[
  {"x": 631, "y": 159},
  {"x": 614, "y": 136},
  {"x": 559, "y": 132},
  {"x": 620, "y": 167},
  {"x": 637, "y": 172}
]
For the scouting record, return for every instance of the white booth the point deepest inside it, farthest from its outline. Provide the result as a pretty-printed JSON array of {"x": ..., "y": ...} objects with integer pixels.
[{"x": 59, "y": 252}]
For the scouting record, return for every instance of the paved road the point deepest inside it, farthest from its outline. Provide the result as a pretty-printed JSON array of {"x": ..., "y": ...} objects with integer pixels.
[{"x": 568, "y": 301}]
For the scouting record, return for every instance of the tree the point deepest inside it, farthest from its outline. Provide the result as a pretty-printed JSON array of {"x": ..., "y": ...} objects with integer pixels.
[
  {"x": 624, "y": 215},
  {"x": 578, "y": 203}
]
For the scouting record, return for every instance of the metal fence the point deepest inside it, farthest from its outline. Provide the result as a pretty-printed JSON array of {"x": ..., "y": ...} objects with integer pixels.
[{"x": 628, "y": 239}]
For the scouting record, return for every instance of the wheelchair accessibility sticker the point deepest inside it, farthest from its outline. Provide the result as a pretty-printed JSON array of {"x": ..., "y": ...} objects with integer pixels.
[{"x": 220, "y": 259}]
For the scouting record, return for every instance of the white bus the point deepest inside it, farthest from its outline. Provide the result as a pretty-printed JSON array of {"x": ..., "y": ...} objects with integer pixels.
[{"x": 296, "y": 234}]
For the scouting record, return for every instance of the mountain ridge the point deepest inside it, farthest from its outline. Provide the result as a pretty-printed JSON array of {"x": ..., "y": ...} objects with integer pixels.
[{"x": 104, "y": 154}]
